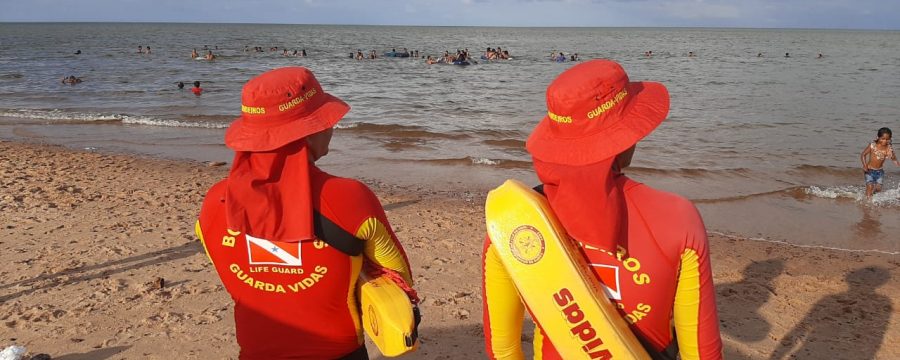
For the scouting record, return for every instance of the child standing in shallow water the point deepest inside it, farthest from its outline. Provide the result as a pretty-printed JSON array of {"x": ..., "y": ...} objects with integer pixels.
[{"x": 878, "y": 151}]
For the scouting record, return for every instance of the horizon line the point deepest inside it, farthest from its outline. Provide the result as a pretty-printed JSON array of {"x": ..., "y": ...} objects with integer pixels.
[{"x": 449, "y": 26}]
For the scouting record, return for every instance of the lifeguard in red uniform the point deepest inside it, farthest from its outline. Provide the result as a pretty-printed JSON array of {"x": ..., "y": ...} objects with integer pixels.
[
  {"x": 287, "y": 239},
  {"x": 647, "y": 248}
]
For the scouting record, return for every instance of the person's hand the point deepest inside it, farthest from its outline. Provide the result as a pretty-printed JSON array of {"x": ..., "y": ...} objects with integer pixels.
[{"x": 865, "y": 169}]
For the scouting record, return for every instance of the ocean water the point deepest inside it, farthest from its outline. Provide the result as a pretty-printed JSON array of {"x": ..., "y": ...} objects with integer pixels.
[{"x": 767, "y": 147}]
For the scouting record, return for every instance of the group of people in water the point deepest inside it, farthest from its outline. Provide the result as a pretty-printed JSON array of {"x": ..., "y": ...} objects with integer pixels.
[
  {"x": 460, "y": 57},
  {"x": 209, "y": 55},
  {"x": 71, "y": 80},
  {"x": 561, "y": 57},
  {"x": 496, "y": 54},
  {"x": 196, "y": 90},
  {"x": 372, "y": 54}
]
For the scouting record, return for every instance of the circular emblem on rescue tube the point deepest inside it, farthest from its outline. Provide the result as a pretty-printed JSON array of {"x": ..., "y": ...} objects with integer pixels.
[
  {"x": 527, "y": 244},
  {"x": 373, "y": 320}
]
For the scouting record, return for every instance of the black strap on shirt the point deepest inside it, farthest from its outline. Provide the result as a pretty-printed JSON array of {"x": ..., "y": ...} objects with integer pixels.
[{"x": 335, "y": 236}]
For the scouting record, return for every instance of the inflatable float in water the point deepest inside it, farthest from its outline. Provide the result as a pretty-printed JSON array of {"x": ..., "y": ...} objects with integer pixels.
[
  {"x": 396, "y": 54},
  {"x": 553, "y": 279}
]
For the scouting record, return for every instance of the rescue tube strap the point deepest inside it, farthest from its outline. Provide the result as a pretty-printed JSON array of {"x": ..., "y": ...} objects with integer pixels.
[
  {"x": 335, "y": 236},
  {"x": 670, "y": 352}
]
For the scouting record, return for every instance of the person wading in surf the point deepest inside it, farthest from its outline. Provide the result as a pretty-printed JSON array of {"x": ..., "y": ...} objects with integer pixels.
[
  {"x": 877, "y": 151},
  {"x": 647, "y": 248}
]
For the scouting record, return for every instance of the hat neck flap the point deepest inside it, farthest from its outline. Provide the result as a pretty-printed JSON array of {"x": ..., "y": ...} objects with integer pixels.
[
  {"x": 588, "y": 201},
  {"x": 268, "y": 194}
]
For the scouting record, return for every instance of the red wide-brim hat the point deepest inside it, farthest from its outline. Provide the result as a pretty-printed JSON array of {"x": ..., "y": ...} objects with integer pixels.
[
  {"x": 281, "y": 106},
  {"x": 594, "y": 113}
]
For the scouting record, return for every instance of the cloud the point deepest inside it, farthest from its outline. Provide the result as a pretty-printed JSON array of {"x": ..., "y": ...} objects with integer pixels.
[
  {"x": 700, "y": 10},
  {"x": 859, "y": 14}
]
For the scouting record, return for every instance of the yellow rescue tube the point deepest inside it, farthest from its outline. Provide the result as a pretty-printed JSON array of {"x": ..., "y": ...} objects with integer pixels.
[
  {"x": 553, "y": 279},
  {"x": 387, "y": 315}
]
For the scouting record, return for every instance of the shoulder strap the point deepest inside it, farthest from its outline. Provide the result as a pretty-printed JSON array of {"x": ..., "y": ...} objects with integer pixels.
[
  {"x": 669, "y": 353},
  {"x": 335, "y": 236}
]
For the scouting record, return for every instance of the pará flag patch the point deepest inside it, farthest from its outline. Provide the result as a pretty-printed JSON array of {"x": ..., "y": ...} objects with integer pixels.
[
  {"x": 609, "y": 278},
  {"x": 262, "y": 251}
]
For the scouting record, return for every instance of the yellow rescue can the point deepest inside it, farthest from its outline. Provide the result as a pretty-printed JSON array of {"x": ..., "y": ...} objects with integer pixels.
[{"x": 388, "y": 316}]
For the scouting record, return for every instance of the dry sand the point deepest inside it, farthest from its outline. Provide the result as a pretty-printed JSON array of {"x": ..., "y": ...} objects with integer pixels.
[{"x": 86, "y": 238}]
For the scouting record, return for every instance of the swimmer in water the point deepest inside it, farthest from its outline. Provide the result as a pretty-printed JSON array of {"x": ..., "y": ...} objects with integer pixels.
[{"x": 71, "y": 80}]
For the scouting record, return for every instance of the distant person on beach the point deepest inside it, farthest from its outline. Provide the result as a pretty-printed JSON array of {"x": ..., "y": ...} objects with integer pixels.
[
  {"x": 877, "y": 151},
  {"x": 181, "y": 85},
  {"x": 209, "y": 55},
  {"x": 759, "y": 55},
  {"x": 71, "y": 80},
  {"x": 648, "y": 248},
  {"x": 820, "y": 56},
  {"x": 787, "y": 55},
  {"x": 140, "y": 49},
  {"x": 690, "y": 54},
  {"x": 197, "y": 90},
  {"x": 194, "y": 54},
  {"x": 148, "y": 50},
  {"x": 288, "y": 240}
]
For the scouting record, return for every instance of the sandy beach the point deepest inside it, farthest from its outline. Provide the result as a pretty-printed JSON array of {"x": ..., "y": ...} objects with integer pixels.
[{"x": 100, "y": 262}]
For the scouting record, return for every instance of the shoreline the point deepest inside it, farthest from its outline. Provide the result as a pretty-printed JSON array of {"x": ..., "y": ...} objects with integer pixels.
[
  {"x": 823, "y": 213},
  {"x": 87, "y": 235}
]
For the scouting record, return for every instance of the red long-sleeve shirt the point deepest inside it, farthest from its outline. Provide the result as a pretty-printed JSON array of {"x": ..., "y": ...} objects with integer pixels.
[
  {"x": 297, "y": 300},
  {"x": 659, "y": 278}
]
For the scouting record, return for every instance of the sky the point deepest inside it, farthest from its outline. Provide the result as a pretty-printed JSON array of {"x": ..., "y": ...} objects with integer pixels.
[{"x": 818, "y": 14}]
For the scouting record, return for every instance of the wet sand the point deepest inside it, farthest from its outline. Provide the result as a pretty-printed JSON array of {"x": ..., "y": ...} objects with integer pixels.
[{"x": 86, "y": 238}]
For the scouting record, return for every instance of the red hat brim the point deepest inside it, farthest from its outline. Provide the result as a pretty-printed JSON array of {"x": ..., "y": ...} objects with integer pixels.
[
  {"x": 647, "y": 108},
  {"x": 241, "y": 137}
]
